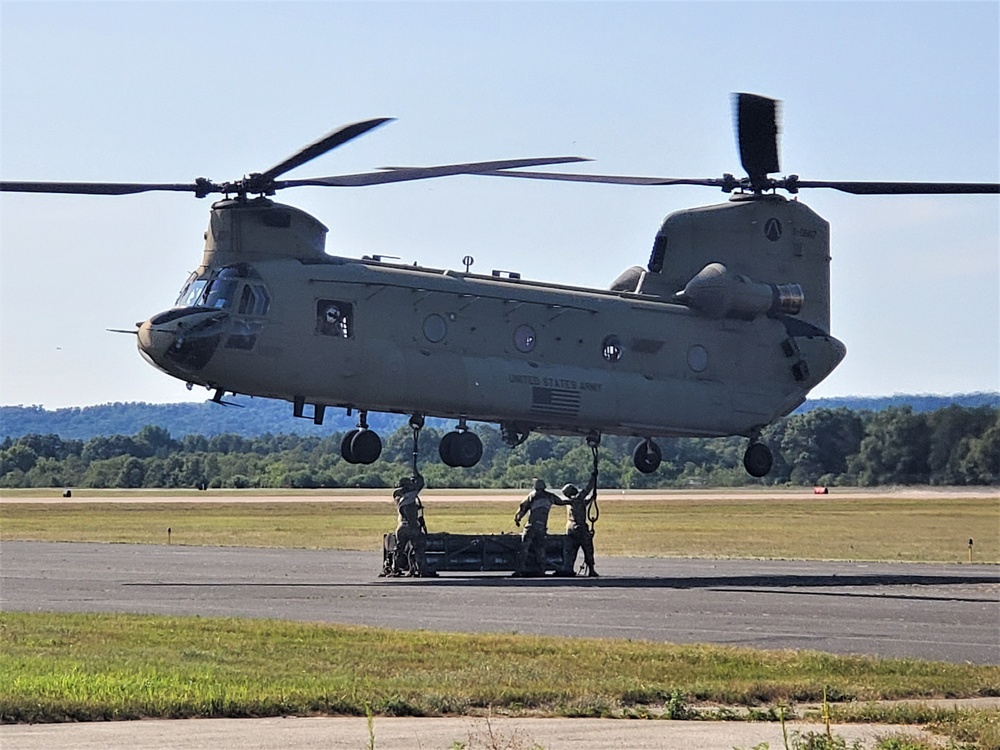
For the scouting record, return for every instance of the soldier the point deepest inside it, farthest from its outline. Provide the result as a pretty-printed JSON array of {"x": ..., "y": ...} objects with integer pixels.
[
  {"x": 531, "y": 558},
  {"x": 578, "y": 533},
  {"x": 411, "y": 531}
]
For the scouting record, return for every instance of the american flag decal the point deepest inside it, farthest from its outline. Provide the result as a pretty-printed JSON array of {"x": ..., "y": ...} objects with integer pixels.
[{"x": 554, "y": 401}]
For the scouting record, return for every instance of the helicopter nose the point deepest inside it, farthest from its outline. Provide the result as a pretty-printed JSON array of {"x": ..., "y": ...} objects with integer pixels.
[
  {"x": 181, "y": 340},
  {"x": 154, "y": 342}
]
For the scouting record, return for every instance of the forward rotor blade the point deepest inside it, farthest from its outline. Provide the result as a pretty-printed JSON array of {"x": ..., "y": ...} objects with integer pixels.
[
  {"x": 901, "y": 188},
  {"x": 757, "y": 135},
  {"x": 97, "y": 188},
  {"x": 321, "y": 146},
  {"x": 402, "y": 174}
]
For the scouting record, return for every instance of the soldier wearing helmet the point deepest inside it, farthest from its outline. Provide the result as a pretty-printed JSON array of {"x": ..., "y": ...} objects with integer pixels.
[
  {"x": 531, "y": 559},
  {"x": 409, "y": 557},
  {"x": 578, "y": 533}
]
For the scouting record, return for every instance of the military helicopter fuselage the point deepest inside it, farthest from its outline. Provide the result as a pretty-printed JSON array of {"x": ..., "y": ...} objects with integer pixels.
[{"x": 693, "y": 345}]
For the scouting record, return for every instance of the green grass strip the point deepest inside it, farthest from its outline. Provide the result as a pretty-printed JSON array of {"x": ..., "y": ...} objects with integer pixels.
[
  {"x": 82, "y": 667},
  {"x": 923, "y": 528}
]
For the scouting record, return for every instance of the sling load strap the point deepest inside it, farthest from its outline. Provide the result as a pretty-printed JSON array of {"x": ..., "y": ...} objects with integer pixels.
[
  {"x": 416, "y": 438},
  {"x": 593, "y": 511},
  {"x": 416, "y": 423}
]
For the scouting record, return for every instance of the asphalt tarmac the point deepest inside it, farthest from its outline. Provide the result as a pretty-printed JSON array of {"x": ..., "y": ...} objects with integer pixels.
[
  {"x": 939, "y": 612},
  {"x": 927, "y": 611}
]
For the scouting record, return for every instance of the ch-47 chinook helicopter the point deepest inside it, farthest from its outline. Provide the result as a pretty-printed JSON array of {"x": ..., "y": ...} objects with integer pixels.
[{"x": 725, "y": 330}]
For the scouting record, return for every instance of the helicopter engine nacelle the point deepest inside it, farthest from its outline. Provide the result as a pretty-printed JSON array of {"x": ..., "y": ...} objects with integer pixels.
[{"x": 720, "y": 293}]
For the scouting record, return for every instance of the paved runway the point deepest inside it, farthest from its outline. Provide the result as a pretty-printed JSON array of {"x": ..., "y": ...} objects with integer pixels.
[{"x": 939, "y": 612}]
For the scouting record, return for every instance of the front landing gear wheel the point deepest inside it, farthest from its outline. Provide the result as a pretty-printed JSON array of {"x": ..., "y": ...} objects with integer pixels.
[
  {"x": 459, "y": 448},
  {"x": 646, "y": 456},
  {"x": 758, "y": 460},
  {"x": 361, "y": 446}
]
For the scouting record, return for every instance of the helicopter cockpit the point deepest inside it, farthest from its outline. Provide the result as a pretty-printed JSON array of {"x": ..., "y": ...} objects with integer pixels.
[
  {"x": 221, "y": 308},
  {"x": 237, "y": 288}
]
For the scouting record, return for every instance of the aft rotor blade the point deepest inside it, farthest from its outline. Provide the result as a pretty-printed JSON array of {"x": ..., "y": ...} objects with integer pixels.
[
  {"x": 901, "y": 188},
  {"x": 402, "y": 174},
  {"x": 792, "y": 184},
  {"x": 321, "y": 146},
  {"x": 757, "y": 136},
  {"x": 97, "y": 188},
  {"x": 608, "y": 178}
]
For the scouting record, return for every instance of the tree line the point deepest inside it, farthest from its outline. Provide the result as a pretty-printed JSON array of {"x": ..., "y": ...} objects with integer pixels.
[
  {"x": 955, "y": 445},
  {"x": 263, "y": 416}
]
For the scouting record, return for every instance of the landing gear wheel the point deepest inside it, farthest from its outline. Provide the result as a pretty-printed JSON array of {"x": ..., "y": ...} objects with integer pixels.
[
  {"x": 646, "y": 456},
  {"x": 463, "y": 449},
  {"x": 366, "y": 446},
  {"x": 514, "y": 433},
  {"x": 758, "y": 460},
  {"x": 445, "y": 449},
  {"x": 467, "y": 449},
  {"x": 345, "y": 446}
]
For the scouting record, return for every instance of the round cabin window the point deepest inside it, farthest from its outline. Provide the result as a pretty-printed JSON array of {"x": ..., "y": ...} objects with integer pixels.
[
  {"x": 524, "y": 338},
  {"x": 435, "y": 328},
  {"x": 611, "y": 348},
  {"x": 697, "y": 358}
]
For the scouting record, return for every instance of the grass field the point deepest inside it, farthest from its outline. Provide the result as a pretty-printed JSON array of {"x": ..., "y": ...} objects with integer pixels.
[
  {"x": 934, "y": 526},
  {"x": 86, "y": 667}
]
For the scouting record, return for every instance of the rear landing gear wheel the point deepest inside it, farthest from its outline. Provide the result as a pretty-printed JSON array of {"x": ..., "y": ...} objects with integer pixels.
[
  {"x": 647, "y": 456},
  {"x": 758, "y": 460}
]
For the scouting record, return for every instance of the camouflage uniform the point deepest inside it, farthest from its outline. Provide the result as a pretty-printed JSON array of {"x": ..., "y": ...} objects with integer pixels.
[
  {"x": 411, "y": 531},
  {"x": 578, "y": 533},
  {"x": 531, "y": 558}
]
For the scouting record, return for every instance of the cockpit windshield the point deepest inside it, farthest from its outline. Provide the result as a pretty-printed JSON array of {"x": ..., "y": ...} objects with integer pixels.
[
  {"x": 228, "y": 288},
  {"x": 191, "y": 291}
]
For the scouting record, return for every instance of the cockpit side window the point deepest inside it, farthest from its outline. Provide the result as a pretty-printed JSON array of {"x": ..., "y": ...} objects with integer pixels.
[
  {"x": 254, "y": 300},
  {"x": 247, "y": 301},
  {"x": 263, "y": 302}
]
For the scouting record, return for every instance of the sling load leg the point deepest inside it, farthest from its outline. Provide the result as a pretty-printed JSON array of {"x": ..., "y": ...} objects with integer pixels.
[
  {"x": 416, "y": 424},
  {"x": 593, "y": 512}
]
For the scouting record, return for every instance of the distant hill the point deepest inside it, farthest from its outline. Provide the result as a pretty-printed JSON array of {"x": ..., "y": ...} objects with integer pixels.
[
  {"x": 252, "y": 417},
  {"x": 919, "y": 403},
  {"x": 263, "y": 416}
]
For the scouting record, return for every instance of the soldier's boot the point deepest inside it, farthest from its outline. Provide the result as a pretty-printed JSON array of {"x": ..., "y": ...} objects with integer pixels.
[{"x": 591, "y": 572}]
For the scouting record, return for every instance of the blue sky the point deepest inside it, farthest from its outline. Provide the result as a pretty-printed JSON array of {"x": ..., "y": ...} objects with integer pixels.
[{"x": 166, "y": 92}]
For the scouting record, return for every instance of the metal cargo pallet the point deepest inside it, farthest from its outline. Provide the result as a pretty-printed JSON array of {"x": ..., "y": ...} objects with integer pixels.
[{"x": 477, "y": 552}]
